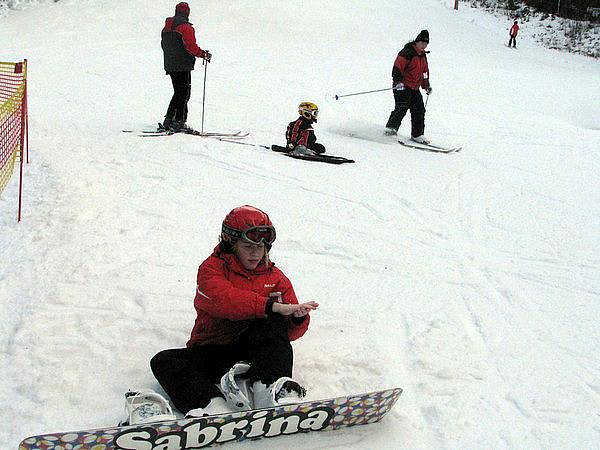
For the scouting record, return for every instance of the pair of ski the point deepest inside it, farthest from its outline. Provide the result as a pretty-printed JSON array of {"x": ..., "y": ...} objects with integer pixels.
[
  {"x": 160, "y": 131},
  {"x": 236, "y": 135},
  {"x": 430, "y": 147},
  {"x": 409, "y": 143},
  {"x": 188, "y": 434}
]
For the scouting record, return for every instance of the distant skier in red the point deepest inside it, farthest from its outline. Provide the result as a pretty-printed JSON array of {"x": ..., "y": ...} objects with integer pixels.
[{"x": 514, "y": 30}]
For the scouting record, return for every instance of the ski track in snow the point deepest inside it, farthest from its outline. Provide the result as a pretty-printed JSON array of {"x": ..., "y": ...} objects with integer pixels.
[{"x": 470, "y": 280}]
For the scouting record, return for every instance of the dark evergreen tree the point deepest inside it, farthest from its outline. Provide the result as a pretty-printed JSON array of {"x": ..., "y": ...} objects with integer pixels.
[{"x": 572, "y": 9}]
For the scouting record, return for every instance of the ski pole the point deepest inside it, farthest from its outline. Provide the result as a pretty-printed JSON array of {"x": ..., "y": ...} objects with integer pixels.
[
  {"x": 242, "y": 143},
  {"x": 426, "y": 100},
  {"x": 205, "y": 64},
  {"x": 360, "y": 93}
]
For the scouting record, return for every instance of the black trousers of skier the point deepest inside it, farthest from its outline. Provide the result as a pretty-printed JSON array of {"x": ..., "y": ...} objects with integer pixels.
[
  {"x": 408, "y": 99},
  {"x": 182, "y": 88},
  {"x": 188, "y": 375},
  {"x": 513, "y": 41}
]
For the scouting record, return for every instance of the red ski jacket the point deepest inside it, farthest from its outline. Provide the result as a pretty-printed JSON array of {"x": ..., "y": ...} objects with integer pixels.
[
  {"x": 300, "y": 132},
  {"x": 514, "y": 30},
  {"x": 228, "y": 297},
  {"x": 411, "y": 68},
  {"x": 179, "y": 45}
]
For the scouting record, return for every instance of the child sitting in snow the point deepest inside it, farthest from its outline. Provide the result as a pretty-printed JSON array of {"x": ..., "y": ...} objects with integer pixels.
[
  {"x": 300, "y": 135},
  {"x": 239, "y": 354}
]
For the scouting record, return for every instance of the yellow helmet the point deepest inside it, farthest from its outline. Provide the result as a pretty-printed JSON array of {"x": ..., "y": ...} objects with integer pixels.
[{"x": 308, "y": 110}]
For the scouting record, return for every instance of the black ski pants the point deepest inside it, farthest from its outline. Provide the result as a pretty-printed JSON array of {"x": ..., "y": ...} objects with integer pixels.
[
  {"x": 182, "y": 88},
  {"x": 408, "y": 99},
  {"x": 188, "y": 375},
  {"x": 513, "y": 41}
]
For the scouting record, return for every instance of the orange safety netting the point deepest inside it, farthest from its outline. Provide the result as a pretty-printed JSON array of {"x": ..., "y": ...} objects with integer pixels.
[{"x": 13, "y": 117}]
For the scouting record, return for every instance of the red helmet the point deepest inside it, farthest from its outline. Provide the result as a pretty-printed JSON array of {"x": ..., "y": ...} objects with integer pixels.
[{"x": 249, "y": 224}]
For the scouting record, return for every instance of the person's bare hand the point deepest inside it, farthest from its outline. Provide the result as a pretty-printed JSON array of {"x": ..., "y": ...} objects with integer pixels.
[
  {"x": 297, "y": 310},
  {"x": 305, "y": 308}
]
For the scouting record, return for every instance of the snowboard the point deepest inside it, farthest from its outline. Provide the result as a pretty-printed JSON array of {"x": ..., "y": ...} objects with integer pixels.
[
  {"x": 187, "y": 434},
  {"x": 329, "y": 159}
]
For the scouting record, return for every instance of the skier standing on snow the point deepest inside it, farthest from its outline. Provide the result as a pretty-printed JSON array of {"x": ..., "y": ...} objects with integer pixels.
[
  {"x": 300, "y": 135},
  {"x": 180, "y": 52},
  {"x": 247, "y": 315},
  {"x": 514, "y": 30},
  {"x": 410, "y": 72}
]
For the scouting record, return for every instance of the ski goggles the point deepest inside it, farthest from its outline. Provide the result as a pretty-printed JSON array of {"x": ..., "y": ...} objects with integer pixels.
[
  {"x": 254, "y": 235},
  {"x": 312, "y": 112}
]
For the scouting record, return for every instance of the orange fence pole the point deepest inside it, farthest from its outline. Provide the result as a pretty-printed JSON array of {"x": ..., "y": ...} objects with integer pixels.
[{"x": 22, "y": 138}]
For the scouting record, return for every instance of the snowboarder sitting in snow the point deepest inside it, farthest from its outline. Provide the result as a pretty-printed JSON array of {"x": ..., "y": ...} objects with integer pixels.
[
  {"x": 410, "y": 72},
  {"x": 300, "y": 135},
  {"x": 180, "y": 52},
  {"x": 239, "y": 355}
]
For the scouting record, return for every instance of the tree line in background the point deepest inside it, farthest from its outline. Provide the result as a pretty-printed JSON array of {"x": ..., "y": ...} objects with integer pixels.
[{"x": 569, "y": 9}]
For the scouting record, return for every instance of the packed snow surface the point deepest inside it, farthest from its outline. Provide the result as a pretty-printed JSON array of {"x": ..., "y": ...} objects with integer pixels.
[{"x": 470, "y": 280}]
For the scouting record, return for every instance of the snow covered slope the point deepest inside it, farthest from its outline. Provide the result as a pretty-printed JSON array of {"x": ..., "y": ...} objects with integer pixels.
[{"x": 471, "y": 280}]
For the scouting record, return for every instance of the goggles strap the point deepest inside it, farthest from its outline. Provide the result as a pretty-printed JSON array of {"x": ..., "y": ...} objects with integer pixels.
[{"x": 231, "y": 232}]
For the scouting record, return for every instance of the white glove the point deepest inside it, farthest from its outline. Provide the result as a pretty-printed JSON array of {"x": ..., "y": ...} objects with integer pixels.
[{"x": 399, "y": 86}]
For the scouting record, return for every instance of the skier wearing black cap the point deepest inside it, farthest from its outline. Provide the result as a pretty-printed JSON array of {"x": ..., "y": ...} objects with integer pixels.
[
  {"x": 180, "y": 52},
  {"x": 410, "y": 72}
]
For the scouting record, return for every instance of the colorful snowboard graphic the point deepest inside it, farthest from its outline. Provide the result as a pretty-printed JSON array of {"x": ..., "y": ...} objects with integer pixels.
[{"x": 184, "y": 434}]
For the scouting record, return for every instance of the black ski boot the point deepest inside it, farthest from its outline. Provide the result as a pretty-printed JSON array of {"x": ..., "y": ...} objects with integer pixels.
[
  {"x": 167, "y": 125},
  {"x": 180, "y": 127}
]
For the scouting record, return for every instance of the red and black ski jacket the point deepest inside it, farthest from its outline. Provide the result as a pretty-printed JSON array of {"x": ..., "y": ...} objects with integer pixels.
[
  {"x": 411, "y": 68},
  {"x": 179, "y": 45},
  {"x": 229, "y": 297},
  {"x": 300, "y": 132}
]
